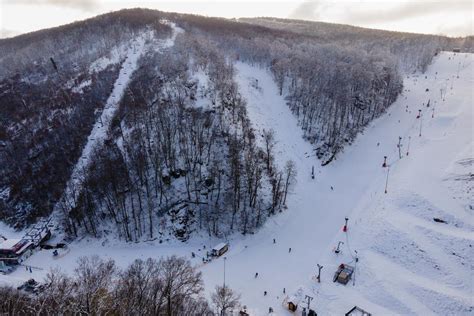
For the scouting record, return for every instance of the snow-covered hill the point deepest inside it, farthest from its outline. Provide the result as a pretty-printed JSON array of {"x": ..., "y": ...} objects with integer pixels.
[{"x": 407, "y": 262}]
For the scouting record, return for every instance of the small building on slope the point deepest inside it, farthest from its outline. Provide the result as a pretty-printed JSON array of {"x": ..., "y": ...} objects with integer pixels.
[{"x": 14, "y": 251}]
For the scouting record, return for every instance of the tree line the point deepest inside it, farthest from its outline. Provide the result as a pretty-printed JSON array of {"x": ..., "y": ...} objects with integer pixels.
[{"x": 169, "y": 286}]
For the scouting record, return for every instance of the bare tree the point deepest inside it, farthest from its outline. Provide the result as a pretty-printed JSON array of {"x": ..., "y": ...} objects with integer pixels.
[
  {"x": 290, "y": 177},
  {"x": 93, "y": 277},
  {"x": 180, "y": 280},
  {"x": 269, "y": 140},
  {"x": 225, "y": 300}
]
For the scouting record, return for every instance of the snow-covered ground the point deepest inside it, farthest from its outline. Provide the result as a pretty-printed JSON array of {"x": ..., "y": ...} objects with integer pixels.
[{"x": 408, "y": 263}]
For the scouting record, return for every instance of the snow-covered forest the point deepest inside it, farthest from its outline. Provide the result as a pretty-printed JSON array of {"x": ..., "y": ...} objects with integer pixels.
[
  {"x": 169, "y": 286},
  {"x": 179, "y": 154},
  {"x": 53, "y": 85}
]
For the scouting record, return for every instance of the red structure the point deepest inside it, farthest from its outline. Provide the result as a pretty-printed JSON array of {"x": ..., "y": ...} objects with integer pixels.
[{"x": 14, "y": 250}]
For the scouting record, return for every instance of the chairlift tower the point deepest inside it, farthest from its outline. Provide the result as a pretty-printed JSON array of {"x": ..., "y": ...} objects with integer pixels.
[
  {"x": 320, "y": 267},
  {"x": 399, "y": 147},
  {"x": 355, "y": 266},
  {"x": 309, "y": 298}
]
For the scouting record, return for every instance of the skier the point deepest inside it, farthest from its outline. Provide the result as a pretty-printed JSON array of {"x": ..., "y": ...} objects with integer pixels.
[
  {"x": 256, "y": 275},
  {"x": 312, "y": 172},
  {"x": 264, "y": 293},
  {"x": 284, "y": 291},
  {"x": 274, "y": 240},
  {"x": 332, "y": 189},
  {"x": 289, "y": 250}
]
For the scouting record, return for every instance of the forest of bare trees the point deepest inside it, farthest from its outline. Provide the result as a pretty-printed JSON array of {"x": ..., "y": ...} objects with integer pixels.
[
  {"x": 169, "y": 286},
  {"x": 171, "y": 166},
  {"x": 44, "y": 121}
]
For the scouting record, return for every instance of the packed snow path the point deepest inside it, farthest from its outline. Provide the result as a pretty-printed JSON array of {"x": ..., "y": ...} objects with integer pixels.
[{"x": 102, "y": 125}]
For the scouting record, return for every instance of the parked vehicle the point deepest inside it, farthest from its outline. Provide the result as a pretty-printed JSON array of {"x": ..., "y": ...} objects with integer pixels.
[
  {"x": 220, "y": 249},
  {"x": 31, "y": 286}
]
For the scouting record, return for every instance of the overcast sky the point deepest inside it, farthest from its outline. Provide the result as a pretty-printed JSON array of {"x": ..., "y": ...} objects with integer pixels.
[{"x": 448, "y": 17}]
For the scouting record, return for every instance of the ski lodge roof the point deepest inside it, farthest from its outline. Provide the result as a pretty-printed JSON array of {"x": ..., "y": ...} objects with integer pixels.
[
  {"x": 16, "y": 246},
  {"x": 39, "y": 232},
  {"x": 8, "y": 243}
]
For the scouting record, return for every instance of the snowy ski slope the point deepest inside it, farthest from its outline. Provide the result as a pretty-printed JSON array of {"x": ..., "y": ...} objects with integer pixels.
[
  {"x": 102, "y": 125},
  {"x": 408, "y": 263},
  {"x": 405, "y": 258}
]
